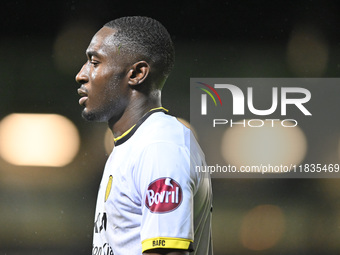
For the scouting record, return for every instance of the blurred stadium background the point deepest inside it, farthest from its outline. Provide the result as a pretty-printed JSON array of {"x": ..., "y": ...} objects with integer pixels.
[{"x": 51, "y": 160}]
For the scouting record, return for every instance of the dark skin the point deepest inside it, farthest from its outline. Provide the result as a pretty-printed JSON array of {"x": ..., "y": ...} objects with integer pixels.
[
  {"x": 118, "y": 90},
  {"x": 110, "y": 85}
]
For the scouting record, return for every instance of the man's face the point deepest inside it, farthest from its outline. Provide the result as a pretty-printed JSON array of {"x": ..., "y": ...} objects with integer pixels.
[{"x": 104, "y": 89}]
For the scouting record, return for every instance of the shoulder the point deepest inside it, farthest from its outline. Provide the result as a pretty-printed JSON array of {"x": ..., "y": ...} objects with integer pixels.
[
  {"x": 163, "y": 134},
  {"x": 163, "y": 128}
]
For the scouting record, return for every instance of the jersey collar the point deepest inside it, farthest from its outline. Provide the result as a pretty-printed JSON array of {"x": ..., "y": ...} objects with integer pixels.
[{"x": 127, "y": 134}]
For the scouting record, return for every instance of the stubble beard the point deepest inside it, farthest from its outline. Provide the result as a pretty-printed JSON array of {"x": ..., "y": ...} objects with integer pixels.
[
  {"x": 105, "y": 113},
  {"x": 90, "y": 116},
  {"x": 110, "y": 110}
]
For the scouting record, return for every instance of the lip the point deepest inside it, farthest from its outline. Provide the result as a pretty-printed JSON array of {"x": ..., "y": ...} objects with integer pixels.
[
  {"x": 83, "y": 95},
  {"x": 82, "y": 100}
]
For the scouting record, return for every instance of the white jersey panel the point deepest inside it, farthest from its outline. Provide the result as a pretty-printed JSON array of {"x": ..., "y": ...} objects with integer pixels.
[{"x": 150, "y": 194}]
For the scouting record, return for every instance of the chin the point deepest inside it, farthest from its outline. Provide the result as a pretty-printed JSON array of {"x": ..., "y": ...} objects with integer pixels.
[{"x": 93, "y": 116}]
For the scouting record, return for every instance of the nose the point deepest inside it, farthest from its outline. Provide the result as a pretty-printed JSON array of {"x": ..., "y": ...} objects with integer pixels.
[{"x": 82, "y": 76}]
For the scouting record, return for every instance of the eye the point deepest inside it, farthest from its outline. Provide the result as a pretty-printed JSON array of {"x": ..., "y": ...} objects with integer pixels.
[{"x": 94, "y": 63}]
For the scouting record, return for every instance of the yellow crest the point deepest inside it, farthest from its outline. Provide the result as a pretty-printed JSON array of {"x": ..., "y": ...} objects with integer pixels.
[{"x": 108, "y": 188}]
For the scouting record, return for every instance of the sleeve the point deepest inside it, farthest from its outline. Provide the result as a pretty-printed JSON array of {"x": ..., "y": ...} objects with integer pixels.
[{"x": 167, "y": 190}]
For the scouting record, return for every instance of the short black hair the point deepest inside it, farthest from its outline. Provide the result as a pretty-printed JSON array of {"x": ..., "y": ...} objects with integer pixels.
[{"x": 146, "y": 37}]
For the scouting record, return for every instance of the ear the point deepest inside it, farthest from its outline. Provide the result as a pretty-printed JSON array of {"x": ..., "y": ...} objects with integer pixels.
[{"x": 138, "y": 72}]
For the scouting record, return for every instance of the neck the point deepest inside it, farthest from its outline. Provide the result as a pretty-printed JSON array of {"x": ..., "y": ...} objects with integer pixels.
[{"x": 139, "y": 105}]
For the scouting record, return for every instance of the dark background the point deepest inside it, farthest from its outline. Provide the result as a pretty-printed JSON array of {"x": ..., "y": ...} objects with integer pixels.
[{"x": 51, "y": 210}]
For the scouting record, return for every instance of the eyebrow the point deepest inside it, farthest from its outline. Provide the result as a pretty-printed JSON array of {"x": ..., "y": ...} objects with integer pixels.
[{"x": 91, "y": 53}]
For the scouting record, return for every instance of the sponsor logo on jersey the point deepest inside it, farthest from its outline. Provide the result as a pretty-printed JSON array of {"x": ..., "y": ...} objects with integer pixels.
[
  {"x": 102, "y": 250},
  {"x": 163, "y": 195},
  {"x": 100, "y": 223}
]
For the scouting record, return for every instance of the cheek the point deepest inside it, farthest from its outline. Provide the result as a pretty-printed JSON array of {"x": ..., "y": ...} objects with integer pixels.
[
  {"x": 108, "y": 86},
  {"x": 100, "y": 82},
  {"x": 111, "y": 90},
  {"x": 117, "y": 92},
  {"x": 94, "y": 73}
]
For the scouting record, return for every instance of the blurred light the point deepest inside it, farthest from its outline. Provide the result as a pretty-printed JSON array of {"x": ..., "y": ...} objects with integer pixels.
[
  {"x": 262, "y": 227},
  {"x": 184, "y": 122},
  {"x": 307, "y": 52},
  {"x": 331, "y": 188},
  {"x": 70, "y": 46},
  {"x": 108, "y": 141},
  {"x": 38, "y": 140},
  {"x": 253, "y": 146}
]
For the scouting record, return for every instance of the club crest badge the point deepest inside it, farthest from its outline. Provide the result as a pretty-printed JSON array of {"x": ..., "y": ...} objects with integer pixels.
[{"x": 108, "y": 188}]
